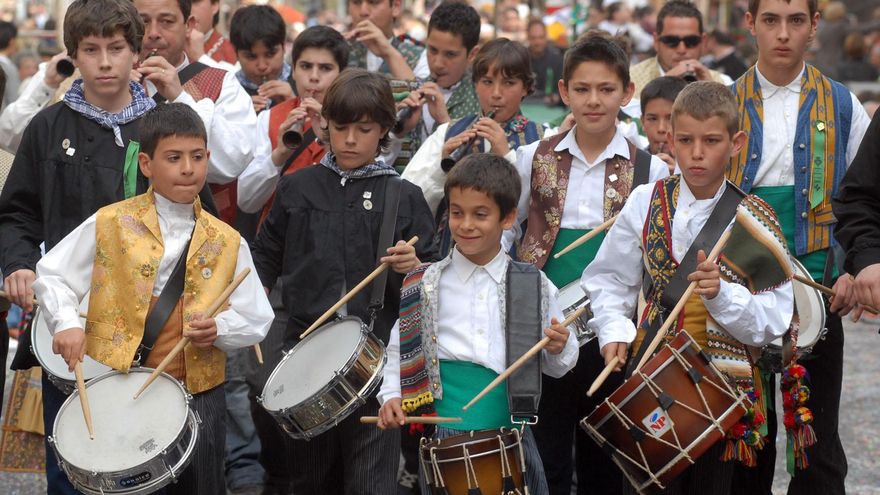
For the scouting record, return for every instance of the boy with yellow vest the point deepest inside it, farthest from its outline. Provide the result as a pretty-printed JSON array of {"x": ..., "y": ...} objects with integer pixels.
[
  {"x": 666, "y": 228},
  {"x": 157, "y": 228}
]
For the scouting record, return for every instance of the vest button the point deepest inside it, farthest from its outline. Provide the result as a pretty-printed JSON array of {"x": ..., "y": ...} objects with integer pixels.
[
  {"x": 754, "y": 156},
  {"x": 434, "y": 338},
  {"x": 802, "y": 146},
  {"x": 803, "y": 170},
  {"x": 804, "y": 215},
  {"x": 436, "y": 385},
  {"x": 804, "y": 192},
  {"x": 433, "y": 361}
]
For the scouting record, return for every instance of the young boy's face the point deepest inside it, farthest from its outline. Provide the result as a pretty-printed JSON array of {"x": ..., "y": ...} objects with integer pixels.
[
  {"x": 165, "y": 29},
  {"x": 657, "y": 121},
  {"x": 204, "y": 11},
  {"x": 379, "y": 12},
  {"x": 595, "y": 94},
  {"x": 448, "y": 59},
  {"x": 703, "y": 149},
  {"x": 178, "y": 167},
  {"x": 356, "y": 144},
  {"x": 476, "y": 224},
  {"x": 105, "y": 65},
  {"x": 261, "y": 63},
  {"x": 313, "y": 72},
  {"x": 782, "y": 31},
  {"x": 500, "y": 94}
]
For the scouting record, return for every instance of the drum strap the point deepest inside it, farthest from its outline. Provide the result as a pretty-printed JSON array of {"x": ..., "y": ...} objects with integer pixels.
[
  {"x": 715, "y": 225},
  {"x": 165, "y": 304},
  {"x": 185, "y": 74},
  {"x": 524, "y": 315},
  {"x": 641, "y": 168},
  {"x": 386, "y": 238}
]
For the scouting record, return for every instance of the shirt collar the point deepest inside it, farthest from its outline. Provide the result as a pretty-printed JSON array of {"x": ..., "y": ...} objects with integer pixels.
[
  {"x": 768, "y": 88},
  {"x": 464, "y": 267},
  {"x": 170, "y": 210},
  {"x": 686, "y": 197},
  {"x": 617, "y": 146}
]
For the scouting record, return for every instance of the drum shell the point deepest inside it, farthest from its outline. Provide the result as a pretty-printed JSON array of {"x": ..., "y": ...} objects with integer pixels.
[
  {"x": 695, "y": 434},
  {"x": 351, "y": 386},
  {"x": 570, "y": 298},
  {"x": 484, "y": 452},
  {"x": 144, "y": 478}
]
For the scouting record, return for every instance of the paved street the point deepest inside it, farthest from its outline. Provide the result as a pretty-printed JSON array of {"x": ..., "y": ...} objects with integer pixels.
[{"x": 859, "y": 431}]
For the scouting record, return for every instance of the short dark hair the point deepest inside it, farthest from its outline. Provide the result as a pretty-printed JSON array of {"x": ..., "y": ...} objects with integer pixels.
[
  {"x": 812, "y": 5},
  {"x": 489, "y": 174},
  {"x": 456, "y": 17},
  {"x": 167, "y": 120},
  {"x": 509, "y": 58},
  {"x": 186, "y": 7},
  {"x": 102, "y": 18},
  {"x": 256, "y": 23},
  {"x": 323, "y": 37},
  {"x": 722, "y": 38},
  {"x": 596, "y": 49},
  {"x": 666, "y": 87},
  {"x": 359, "y": 93},
  {"x": 8, "y": 32},
  {"x": 703, "y": 100},
  {"x": 679, "y": 8},
  {"x": 2, "y": 86},
  {"x": 536, "y": 21}
]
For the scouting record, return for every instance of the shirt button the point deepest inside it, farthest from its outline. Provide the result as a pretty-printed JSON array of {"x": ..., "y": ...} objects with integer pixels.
[
  {"x": 804, "y": 215},
  {"x": 90, "y": 139},
  {"x": 436, "y": 385},
  {"x": 434, "y": 338},
  {"x": 87, "y": 158},
  {"x": 433, "y": 361}
]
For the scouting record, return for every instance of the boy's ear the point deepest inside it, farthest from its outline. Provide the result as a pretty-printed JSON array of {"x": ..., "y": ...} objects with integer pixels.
[
  {"x": 563, "y": 91},
  {"x": 509, "y": 219},
  {"x": 190, "y": 25},
  {"x": 739, "y": 140},
  {"x": 473, "y": 54},
  {"x": 144, "y": 164},
  {"x": 628, "y": 92}
]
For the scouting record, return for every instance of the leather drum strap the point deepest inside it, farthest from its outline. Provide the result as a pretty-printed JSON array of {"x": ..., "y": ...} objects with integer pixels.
[
  {"x": 523, "y": 331},
  {"x": 386, "y": 239},
  {"x": 165, "y": 304}
]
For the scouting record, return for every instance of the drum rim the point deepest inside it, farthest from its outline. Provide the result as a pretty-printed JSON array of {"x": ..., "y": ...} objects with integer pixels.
[
  {"x": 803, "y": 347},
  {"x": 582, "y": 337},
  {"x": 510, "y": 438},
  {"x": 365, "y": 333},
  {"x": 36, "y": 350}
]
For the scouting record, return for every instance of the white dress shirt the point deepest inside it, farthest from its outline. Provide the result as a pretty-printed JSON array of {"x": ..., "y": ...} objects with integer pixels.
[
  {"x": 780, "y": 124},
  {"x": 258, "y": 181},
  {"x": 64, "y": 276},
  {"x": 470, "y": 326},
  {"x": 35, "y": 95},
  {"x": 230, "y": 123},
  {"x": 614, "y": 277}
]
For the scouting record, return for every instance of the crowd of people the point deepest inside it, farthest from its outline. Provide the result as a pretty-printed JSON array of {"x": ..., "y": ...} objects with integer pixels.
[{"x": 163, "y": 149}]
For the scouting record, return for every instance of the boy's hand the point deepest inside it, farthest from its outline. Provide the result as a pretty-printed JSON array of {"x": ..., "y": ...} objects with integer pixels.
[
  {"x": 690, "y": 66},
  {"x": 567, "y": 123},
  {"x": 402, "y": 258},
  {"x": 707, "y": 276},
  {"x": 260, "y": 103},
  {"x": 668, "y": 160},
  {"x": 618, "y": 349},
  {"x": 70, "y": 343},
  {"x": 558, "y": 336},
  {"x": 391, "y": 415},
  {"x": 202, "y": 333},
  {"x": 430, "y": 91},
  {"x": 163, "y": 75},
  {"x": 276, "y": 90},
  {"x": 453, "y": 144},
  {"x": 845, "y": 295},
  {"x": 491, "y": 131},
  {"x": 414, "y": 101},
  {"x": 372, "y": 37},
  {"x": 867, "y": 287},
  {"x": 18, "y": 287},
  {"x": 53, "y": 78},
  {"x": 195, "y": 45}
]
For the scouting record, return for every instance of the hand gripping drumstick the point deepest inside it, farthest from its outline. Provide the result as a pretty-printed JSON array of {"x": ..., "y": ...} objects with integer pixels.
[
  {"x": 586, "y": 237},
  {"x": 212, "y": 311},
  {"x": 821, "y": 288},
  {"x": 603, "y": 375},
  {"x": 83, "y": 398},
  {"x": 522, "y": 359},
  {"x": 357, "y": 288},
  {"x": 425, "y": 420}
]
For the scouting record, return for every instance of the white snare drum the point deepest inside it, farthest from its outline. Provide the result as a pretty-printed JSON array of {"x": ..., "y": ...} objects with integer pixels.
[
  {"x": 53, "y": 364},
  {"x": 811, "y": 314},
  {"x": 570, "y": 298},
  {"x": 139, "y": 446},
  {"x": 326, "y": 377}
]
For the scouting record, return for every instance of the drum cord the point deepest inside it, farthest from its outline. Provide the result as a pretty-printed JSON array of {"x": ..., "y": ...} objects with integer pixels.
[
  {"x": 470, "y": 472},
  {"x": 435, "y": 468}
]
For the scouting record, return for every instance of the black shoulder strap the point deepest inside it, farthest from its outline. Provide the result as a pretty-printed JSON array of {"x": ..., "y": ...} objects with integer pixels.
[
  {"x": 308, "y": 137},
  {"x": 523, "y": 321},
  {"x": 641, "y": 167},
  {"x": 185, "y": 74},
  {"x": 386, "y": 238}
]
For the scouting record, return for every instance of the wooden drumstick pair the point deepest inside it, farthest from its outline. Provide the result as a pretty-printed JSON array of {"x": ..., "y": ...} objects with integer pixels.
[
  {"x": 409, "y": 420},
  {"x": 357, "y": 288}
]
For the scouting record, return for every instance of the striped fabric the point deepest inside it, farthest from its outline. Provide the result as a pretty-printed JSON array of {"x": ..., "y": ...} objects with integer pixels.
[
  {"x": 205, "y": 475},
  {"x": 414, "y": 383}
]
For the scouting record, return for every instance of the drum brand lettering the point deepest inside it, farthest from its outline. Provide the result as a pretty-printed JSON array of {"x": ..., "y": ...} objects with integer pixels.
[
  {"x": 657, "y": 422},
  {"x": 135, "y": 480},
  {"x": 148, "y": 446}
]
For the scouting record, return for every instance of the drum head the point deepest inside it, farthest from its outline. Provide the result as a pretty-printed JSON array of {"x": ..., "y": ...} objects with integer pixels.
[
  {"x": 128, "y": 432},
  {"x": 312, "y": 364},
  {"x": 810, "y": 309},
  {"x": 41, "y": 341}
]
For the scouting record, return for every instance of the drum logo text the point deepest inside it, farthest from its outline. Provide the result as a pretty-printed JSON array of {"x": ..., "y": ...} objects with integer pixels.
[
  {"x": 148, "y": 446},
  {"x": 657, "y": 422},
  {"x": 135, "y": 480}
]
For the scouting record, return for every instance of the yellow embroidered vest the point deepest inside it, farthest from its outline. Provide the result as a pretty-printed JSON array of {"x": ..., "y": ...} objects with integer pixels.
[{"x": 128, "y": 249}]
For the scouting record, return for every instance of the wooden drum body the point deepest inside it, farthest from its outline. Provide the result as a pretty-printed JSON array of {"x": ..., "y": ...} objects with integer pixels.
[{"x": 490, "y": 460}]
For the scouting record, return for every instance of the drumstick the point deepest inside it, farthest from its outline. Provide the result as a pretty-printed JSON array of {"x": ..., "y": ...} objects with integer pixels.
[
  {"x": 821, "y": 288},
  {"x": 673, "y": 316},
  {"x": 259, "y": 353},
  {"x": 603, "y": 375},
  {"x": 5, "y": 295},
  {"x": 84, "y": 398},
  {"x": 522, "y": 359},
  {"x": 212, "y": 311},
  {"x": 357, "y": 288},
  {"x": 586, "y": 237},
  {"x": 425, "y": 420}
]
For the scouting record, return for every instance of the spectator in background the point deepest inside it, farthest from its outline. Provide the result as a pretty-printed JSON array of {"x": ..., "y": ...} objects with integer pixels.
[
  {"x": 832, "y": 31},
  {"x": 619, "y": 21},
  {"x": 205, "y": 43},
  {"x": 722, "y": 49},
  {"x": 511, "y": 25},
  {"x": 8, "y": 32},
  {"x": 854, "y": 67},
  {"x": 546, "y": 62},
  {"x": 27, "y": 64}
]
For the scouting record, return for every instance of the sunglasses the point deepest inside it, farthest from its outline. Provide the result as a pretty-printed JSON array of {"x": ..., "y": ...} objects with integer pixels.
[{"x": 689, "y": 41}]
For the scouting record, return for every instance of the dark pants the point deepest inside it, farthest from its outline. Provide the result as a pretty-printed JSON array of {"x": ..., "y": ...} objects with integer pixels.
[
  {"x": 827, "y": 470},
  {"x": 4, "y": 350},
  {"x": 564, "y": 403},
  {"x": 707, "y": 476}
]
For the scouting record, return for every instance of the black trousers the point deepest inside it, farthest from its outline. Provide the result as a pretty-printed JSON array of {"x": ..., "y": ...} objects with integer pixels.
[
  {"x": 827, "y": 470},
  {"x": 564, "y": 403}
]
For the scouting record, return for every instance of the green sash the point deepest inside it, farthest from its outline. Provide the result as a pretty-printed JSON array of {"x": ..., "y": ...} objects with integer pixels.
[
  {"x": 570, "y": 267},
  {"x": 461, "y": 382}
]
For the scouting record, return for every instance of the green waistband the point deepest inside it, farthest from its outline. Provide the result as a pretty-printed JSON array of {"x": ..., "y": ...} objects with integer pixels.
[
  {"x": 570, "y": 266},
  {"x": 461, "y": 382}
]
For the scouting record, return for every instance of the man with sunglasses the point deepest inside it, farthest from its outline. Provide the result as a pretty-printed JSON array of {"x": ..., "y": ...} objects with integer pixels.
[{"x": 679, "y": 42}]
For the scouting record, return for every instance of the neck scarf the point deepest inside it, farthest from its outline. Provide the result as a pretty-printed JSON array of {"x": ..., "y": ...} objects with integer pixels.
[
  {"x": 140, "y": 104},
  {"x": 373, "y": 169},
  {"x": 248, "y": 84}
]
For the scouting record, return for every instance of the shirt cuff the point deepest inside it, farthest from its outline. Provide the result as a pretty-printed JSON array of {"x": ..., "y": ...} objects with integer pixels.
[
  {"x": 616, "y": 332},
  {"x": 718, "y": 304},
  {"x": 66, "y": 322}
]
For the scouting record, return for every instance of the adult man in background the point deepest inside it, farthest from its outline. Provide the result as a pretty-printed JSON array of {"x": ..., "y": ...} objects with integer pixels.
[
  {"x": 546, "y": 63},
  {"x": 8, "y": 32}
]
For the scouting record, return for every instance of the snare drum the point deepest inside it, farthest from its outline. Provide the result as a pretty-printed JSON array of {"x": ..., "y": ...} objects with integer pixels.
[
  {"x": 570, "y": 298},
  {"x": 488, "y": 461},
  {"x": 666, "y": 416},
  {"x": 53, "y": 364},
  {"x": 326, "y": 377},
  {"x": 139, "y": 446}
]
